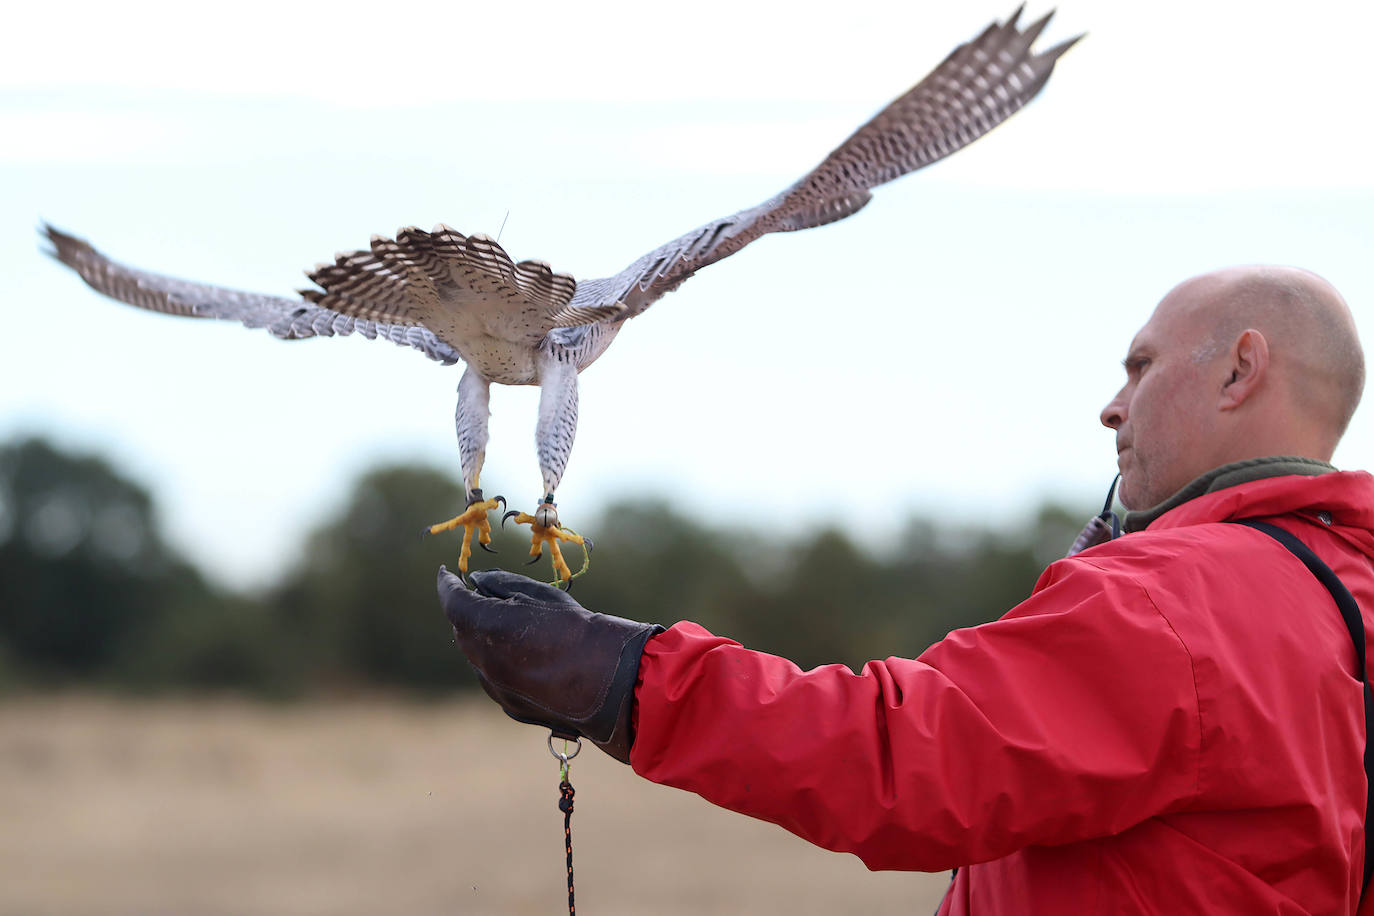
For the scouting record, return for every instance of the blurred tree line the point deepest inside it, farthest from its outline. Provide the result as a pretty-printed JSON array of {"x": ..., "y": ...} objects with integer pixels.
[{"x": 91, "y": 594}]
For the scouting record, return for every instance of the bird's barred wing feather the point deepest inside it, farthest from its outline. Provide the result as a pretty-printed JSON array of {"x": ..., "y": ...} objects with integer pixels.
[
  {"x": 439, "y": 277},
  {"x": 284, "y": 318},
  {"x": 435, "y": 291},
  {"x": 978, "y": 86}
]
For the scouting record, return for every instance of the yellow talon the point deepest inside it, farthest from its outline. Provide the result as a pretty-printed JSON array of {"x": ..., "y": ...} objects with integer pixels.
[
  {"x": 474, "y": 518},
  {"x": 551, "y": 534}
]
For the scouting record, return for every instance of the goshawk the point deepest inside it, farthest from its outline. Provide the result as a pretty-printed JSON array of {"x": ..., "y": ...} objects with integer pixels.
[{"x": 457, "y": 298}]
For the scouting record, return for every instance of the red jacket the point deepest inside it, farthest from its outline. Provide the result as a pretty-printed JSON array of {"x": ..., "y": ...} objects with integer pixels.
[{"x": 1169, "y": 724}]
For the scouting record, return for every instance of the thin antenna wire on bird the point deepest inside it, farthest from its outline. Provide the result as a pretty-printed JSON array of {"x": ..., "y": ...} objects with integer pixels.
[{"x": 503, "y": 227}]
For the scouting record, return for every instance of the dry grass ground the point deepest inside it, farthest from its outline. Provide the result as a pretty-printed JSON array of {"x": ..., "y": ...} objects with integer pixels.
[{"x": 202, "y": 808}]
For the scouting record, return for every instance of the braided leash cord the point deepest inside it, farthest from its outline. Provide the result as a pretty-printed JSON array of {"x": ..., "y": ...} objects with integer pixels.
[{"x": 565, "y": 804}]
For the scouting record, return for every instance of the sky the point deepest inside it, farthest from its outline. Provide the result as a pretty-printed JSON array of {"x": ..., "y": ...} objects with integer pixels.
[{"x": 944, "y": 352}]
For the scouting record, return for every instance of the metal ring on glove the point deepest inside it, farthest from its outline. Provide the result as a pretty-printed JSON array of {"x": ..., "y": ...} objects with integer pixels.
[{"x": 562, "y": 756}]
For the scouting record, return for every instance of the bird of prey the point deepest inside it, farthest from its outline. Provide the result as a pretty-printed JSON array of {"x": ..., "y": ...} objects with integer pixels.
[{"x": 461, "y": 298}]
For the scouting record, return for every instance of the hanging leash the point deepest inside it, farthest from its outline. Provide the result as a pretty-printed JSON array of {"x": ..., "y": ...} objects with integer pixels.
[{"x": 565, "y": 804}]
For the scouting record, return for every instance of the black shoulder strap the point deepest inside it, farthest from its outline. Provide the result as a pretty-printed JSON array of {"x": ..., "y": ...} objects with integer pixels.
[{"x": 1350, "y": 613}]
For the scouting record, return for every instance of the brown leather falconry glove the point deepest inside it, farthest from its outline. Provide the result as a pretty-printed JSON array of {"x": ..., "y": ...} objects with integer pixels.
[{"x": 546, "y": 659}]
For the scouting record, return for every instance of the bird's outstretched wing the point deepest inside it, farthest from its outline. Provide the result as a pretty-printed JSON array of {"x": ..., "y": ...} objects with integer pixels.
[
  {"x": 978, "y": 86},
  {"x": 459, "y": 286},
  {"x": 284, "y": 318}
]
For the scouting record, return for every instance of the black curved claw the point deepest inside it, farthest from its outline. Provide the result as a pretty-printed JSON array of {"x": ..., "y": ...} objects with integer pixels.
[
  {"x": 537, "y": 557},
  {"x": 567, "y": 586},
  {"x": 508, "y": 515},
  {"x": 587, "y": 544},
  {"x": 486, "y": 548},
  {"x": 424, "y": 532},
  {"x": 501, "y": 500}
]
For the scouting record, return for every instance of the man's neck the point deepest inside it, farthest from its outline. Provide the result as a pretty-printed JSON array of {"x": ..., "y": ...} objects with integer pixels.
[{"x": 1228, "y": 475}]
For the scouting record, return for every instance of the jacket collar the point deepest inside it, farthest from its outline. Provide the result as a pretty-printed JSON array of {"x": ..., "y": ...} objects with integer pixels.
[
  {"x": 1340, "y": 501},
  {"x": 1228, "y": 475}
]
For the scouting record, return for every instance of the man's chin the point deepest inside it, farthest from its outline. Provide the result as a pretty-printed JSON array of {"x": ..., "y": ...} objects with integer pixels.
[{"x": 1125, "y": 494}]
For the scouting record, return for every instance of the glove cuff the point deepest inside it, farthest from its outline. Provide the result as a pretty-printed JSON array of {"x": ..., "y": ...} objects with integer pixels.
[{"x": 621, "y": 697}]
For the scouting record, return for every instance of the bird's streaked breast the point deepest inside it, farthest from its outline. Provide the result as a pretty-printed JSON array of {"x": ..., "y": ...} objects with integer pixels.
[{"x": 500, "y": 361}]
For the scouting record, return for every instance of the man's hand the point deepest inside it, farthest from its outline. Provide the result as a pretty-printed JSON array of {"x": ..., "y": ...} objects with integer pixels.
[{"x": 546, "y": 659}]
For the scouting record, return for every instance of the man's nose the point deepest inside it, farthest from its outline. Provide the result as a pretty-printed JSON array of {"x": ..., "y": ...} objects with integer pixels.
[{"x": 1114, "y": 414}]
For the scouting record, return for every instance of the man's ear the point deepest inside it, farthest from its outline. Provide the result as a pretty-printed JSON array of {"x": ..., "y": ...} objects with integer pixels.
[{"x": 1249, "y": 363}]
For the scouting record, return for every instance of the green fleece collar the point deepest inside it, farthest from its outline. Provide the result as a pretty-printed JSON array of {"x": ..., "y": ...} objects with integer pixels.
[{"x": 1228, "y": 475}]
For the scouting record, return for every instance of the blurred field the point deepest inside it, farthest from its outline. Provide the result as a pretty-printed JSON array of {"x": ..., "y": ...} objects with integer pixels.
[{"x": 208, "y": 807}]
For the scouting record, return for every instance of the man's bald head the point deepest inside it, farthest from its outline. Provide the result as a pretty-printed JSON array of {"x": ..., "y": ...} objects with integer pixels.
[
  {"x": 1238, "y": 363},
  {"x": 1309, "y": 329}
]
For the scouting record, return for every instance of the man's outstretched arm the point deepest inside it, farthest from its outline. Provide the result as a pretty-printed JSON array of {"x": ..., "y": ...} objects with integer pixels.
[{"x": 1035, "y": 729}]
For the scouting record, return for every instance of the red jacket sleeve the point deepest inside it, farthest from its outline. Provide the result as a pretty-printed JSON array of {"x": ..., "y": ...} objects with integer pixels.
[{"x": 1074, "y": 716}]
